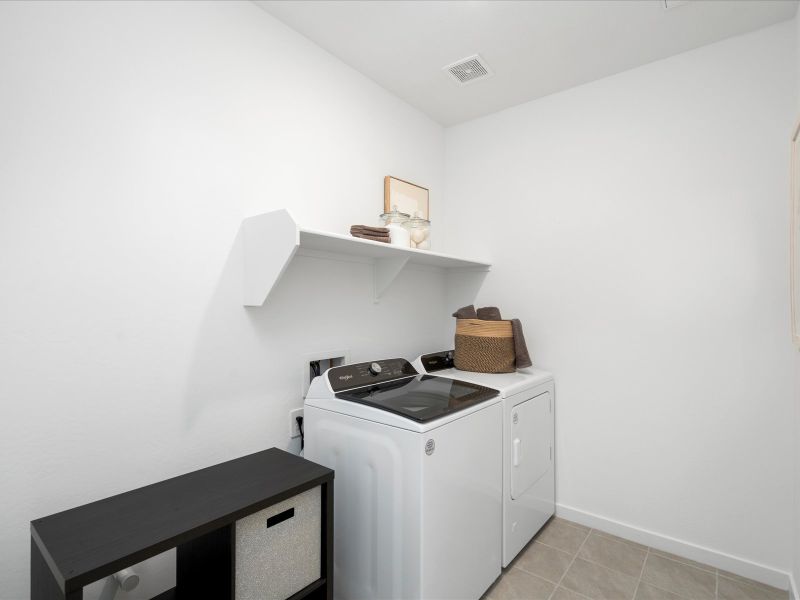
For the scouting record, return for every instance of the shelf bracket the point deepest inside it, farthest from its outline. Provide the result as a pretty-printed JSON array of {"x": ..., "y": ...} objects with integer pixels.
[
  {"x": 385, "y": 271},
  {"x": 270, "y": 241}
]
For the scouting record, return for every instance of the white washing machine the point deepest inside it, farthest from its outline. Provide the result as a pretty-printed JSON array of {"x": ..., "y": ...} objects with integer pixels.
[
  {"x": 418, "y": 484},
  {"x": 528, "y": 445}
]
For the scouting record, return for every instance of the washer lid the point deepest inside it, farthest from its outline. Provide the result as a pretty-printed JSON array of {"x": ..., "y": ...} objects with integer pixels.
[{"x": 422, "y": 398}]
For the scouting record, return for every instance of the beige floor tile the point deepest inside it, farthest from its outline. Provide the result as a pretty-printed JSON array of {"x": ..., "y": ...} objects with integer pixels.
[
  {"x": 685, "y": 561},
  {"x": 649, "y": 592},
  {"x": 679, "y": 578},
  {"x": 597, "y": 582},
  {"x": 613, "y": 553},
  {"x": 516, "y": 584},
  {"x": 619, "y": 539},
  {"x": 572, "y": 524},
  {"x": 742, "y": 589},
  {"x": 563, "y": 593},
  {"x": 562, "y": 536},
  {"x": 544, "y": 561}
]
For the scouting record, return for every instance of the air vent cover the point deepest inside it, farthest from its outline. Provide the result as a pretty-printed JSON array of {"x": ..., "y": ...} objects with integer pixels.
[{"x": 468, "y": 70}]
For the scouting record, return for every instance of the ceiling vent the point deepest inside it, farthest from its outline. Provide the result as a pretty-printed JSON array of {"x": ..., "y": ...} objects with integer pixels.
[{"x": 468, "y": 70}]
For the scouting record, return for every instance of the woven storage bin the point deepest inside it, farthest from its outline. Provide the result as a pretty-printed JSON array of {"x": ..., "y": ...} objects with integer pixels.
[{"x": 484, "y": 346}]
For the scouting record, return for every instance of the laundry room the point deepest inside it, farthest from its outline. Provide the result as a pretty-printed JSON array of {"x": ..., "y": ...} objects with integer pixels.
[{"x": 409, "y": 300}]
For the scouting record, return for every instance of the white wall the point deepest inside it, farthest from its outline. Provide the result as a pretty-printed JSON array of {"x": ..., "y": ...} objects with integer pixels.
[
  {"x": 638, "y": 228},
  {"x": 796, "y": 528},
  {"x": 133, "y": 140}
]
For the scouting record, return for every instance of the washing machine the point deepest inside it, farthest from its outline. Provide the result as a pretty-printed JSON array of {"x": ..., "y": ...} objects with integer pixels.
[
  {"x": 528, "y": 399},
  {"x": 418, "y": 461}
]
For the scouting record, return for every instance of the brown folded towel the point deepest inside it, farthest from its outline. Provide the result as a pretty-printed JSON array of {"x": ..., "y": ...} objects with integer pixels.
[
  {"x": 466, "y": 312},
  {"x": 375, "y": 238},
  {"x": 369, "y": 230},
  {"x": 523, "y": 359},
  {"x": 489, "y": 313}
]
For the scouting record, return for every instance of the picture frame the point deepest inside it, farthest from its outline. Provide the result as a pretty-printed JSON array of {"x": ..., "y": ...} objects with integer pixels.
[
  {"x": 409, "y": 197},
  {"x": 794, "y": 250}
]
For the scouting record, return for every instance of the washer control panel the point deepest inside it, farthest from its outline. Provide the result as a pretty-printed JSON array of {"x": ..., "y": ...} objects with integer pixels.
[{"x": 376, "y": 371}]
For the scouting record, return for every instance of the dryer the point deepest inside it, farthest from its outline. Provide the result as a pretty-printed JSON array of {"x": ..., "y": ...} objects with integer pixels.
[
  {"x": 528, "y": 398},
  {"x": 418, "y": 480}
]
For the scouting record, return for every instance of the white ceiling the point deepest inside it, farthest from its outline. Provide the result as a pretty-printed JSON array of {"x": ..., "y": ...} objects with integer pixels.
[{"x": 535, "y": 47}]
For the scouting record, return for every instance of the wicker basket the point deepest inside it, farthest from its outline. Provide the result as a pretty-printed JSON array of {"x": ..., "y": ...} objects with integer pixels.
[{"x": 484, "y": 346}]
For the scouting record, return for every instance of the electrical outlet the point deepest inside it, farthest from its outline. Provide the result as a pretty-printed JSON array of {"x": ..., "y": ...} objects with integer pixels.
[{"x": 294, "y": 428}]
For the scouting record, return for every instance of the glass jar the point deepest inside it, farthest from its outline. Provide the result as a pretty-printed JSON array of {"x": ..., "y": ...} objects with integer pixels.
[
  {"x": 393, "y": 221},
  {"x": 419, "y": 232}
]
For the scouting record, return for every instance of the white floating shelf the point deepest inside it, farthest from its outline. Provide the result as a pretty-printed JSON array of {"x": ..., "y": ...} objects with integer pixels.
[{"x": 273, "y": 239}]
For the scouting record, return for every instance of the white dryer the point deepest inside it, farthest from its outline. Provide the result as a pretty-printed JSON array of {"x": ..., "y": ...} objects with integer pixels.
[
  {"x": 418, "y": 480},
  {"x": 528, "y": 445}
]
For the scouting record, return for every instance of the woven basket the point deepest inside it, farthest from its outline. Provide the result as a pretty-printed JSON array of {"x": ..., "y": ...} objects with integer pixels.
[{"x": 484, "y": 346}]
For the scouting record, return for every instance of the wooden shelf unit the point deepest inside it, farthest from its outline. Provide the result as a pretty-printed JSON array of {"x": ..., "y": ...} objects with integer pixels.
[{"x": 195, "y": 513}]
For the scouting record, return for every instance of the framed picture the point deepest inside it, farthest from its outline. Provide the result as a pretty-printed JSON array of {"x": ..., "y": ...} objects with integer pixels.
[
  {"x": 406, "y": 196},
  {"x": 794, "y": 257}
]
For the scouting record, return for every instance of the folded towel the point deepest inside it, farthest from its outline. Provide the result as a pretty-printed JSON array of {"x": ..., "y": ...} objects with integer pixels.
[
  {"x": 375, "y": 238},
  {"x": 467, "y": 312},
  {"x": 369, "y": 230},
  {"x": 489, "y": 313},
  {"x": 523, "y": 359}
]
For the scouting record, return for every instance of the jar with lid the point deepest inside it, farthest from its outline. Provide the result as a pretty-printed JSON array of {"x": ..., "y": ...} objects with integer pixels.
[
  {"x": 393, "y": 221},
  {"x": 419, "y": 231}
]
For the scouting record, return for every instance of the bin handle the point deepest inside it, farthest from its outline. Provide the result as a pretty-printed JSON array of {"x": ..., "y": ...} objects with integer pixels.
[{"x": 280, "y": 517}]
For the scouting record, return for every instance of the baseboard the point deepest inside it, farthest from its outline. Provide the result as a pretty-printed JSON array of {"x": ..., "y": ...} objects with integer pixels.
[
  {"x": 793, "y": 587},
  {"x": 720, "y": 560}
]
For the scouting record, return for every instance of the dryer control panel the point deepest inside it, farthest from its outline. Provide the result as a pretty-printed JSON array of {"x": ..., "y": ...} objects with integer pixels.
[
  {"x": 437, "y": 361},
  {"x": 348, "y": 377}
]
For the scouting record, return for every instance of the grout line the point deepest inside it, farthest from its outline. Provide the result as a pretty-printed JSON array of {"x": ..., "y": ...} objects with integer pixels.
[
  {"x": 688, "y": 562},
  {"x": 551, "y": 547},
  {"x": 617, "y": 540},
  {"x": 649, "y": 550},
  {"x": 673, "y": 592},
  {"x": 639, "y": 581},
  {"x": 676, "y": 558},
  {"x": 681, "y": 596},
  {"x": 569, "y": 566}
]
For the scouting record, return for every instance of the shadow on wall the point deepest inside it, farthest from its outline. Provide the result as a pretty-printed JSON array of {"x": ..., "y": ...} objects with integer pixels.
[{"x": 248, "y": 366}]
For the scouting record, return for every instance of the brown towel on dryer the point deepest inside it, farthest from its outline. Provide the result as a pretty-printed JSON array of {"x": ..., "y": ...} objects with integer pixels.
[
  {"x": 523, "y": 359},
  {"x": 489, "y": 313},
  {"x": 466, "y": 312}
]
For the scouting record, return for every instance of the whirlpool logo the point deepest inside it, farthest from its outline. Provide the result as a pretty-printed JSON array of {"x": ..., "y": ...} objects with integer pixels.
[{"x": 345, "y": 377}]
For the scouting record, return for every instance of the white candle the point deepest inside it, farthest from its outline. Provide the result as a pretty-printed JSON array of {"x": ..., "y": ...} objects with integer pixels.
[{"x": 399, "y": 235}]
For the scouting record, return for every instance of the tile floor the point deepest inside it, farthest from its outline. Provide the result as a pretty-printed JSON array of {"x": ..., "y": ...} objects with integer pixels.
[{"x": 567, "y": 561}]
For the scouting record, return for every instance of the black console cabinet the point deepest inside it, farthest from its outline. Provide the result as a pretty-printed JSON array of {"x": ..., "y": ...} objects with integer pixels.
[{"x": 195, "y": 513}]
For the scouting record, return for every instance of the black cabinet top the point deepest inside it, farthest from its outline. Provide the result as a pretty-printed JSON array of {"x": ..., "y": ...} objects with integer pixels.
[{"x": 86, "y": 543}]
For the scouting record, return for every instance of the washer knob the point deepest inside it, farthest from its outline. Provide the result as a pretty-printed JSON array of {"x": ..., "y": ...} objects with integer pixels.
[{"x": 375, "y": 368}]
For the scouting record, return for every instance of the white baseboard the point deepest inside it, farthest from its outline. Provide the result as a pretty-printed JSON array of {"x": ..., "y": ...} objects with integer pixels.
[
  {"x": 793, "y": 587},
  {"x": 720, "y": 560}
]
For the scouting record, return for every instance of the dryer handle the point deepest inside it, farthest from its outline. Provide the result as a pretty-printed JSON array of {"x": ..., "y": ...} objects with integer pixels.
[{"x": 516, "y": 452}]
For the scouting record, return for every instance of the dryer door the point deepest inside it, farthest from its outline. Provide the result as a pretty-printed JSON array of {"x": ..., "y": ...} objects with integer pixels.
[{"x": 531, "y": 449}]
